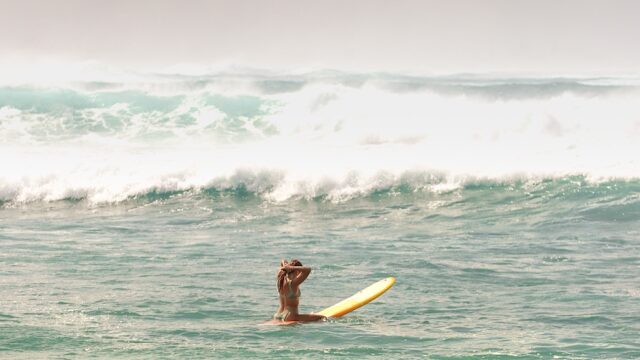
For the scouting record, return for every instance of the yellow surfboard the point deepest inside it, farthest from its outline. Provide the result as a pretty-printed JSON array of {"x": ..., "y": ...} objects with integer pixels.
[{"x": 359, "y": 299}]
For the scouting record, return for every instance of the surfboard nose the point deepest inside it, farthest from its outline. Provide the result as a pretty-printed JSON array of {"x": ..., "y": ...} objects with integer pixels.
[{"x": 359, "y": 299}]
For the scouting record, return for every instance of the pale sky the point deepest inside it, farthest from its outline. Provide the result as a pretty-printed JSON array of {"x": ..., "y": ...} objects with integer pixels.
[{"x": 539, "y": 36}]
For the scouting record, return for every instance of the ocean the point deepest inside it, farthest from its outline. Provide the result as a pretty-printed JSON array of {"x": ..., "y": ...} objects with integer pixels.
[{"x": 145, "y": 215}]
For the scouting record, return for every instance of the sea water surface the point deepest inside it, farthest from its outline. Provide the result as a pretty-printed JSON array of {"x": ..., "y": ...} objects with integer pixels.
[{"x": 146, "y": 218}]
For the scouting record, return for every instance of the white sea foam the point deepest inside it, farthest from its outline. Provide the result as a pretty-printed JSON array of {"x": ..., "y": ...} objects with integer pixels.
[{"x": 311, "y": 136}]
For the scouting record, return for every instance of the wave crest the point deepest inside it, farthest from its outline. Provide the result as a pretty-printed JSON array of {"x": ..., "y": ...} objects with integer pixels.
[
  {"x": 277, "y": 186},
  {"x": 320, "y": 135}
]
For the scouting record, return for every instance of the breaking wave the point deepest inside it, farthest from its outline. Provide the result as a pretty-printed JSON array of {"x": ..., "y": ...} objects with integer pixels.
[{"x": 326, "y": 135}]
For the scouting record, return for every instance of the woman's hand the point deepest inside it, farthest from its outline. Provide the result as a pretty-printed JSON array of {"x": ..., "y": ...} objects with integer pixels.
[{"x": 283, "y": 265}]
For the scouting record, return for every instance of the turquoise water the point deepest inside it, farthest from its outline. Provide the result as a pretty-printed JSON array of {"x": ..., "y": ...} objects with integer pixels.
[
  {"x": 483, "y": 272},
  {"x": 126, "y": 233}
]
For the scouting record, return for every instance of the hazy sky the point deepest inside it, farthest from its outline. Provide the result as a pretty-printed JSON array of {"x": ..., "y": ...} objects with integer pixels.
[{"x": 571, "y": 36}]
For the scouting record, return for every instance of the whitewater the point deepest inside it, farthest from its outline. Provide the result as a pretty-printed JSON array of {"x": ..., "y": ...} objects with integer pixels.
[
  {"x": 318, "y": 134},
  {"x": 143, "y": 215}
]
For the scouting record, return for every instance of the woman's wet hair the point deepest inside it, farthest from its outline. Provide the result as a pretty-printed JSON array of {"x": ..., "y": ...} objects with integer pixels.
[
  {"x": 295, "y": 262},
  {"x": 283, "y": 274}
]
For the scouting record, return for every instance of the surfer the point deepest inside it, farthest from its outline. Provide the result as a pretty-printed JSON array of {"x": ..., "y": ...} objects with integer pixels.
[{"x": 288, "y": 280}]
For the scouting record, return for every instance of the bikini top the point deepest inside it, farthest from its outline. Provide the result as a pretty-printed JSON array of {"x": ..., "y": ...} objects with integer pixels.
[{"x": 291, "y": 294}]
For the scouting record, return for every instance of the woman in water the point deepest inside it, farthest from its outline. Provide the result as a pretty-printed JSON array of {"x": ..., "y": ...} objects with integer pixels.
[{"x": 289, "y": 278}]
